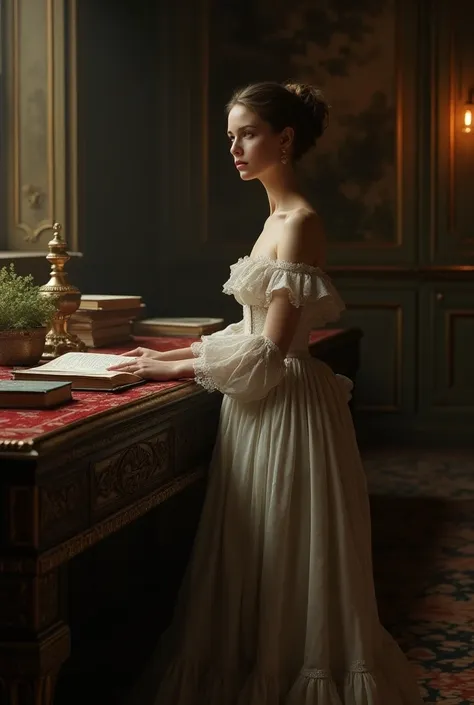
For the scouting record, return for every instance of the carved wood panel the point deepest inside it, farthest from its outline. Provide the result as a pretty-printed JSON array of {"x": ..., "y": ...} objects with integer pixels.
[
  {"x": 131, "y": 472},
  {"x": 64, "y": 504}
]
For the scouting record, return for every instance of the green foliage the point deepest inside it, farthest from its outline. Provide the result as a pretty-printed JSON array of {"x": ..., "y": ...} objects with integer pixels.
[{"x": 22, "y": 306}]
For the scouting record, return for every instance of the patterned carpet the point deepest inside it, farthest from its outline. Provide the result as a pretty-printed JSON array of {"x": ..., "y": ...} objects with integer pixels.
[{"x": 423, "y": 536}]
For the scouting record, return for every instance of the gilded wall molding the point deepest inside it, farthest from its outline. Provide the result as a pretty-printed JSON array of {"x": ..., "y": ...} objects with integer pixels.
[{"x": 40, "y": 121}]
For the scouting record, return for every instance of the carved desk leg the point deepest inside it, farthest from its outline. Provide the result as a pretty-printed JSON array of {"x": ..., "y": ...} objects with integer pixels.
[{"x": 34, "y": 642}]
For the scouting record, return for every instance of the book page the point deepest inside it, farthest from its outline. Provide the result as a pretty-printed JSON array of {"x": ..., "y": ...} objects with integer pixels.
[{"x": 86, "y": 363}]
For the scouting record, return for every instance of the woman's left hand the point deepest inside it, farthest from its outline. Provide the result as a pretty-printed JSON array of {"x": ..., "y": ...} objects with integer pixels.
[{"x": 148, "y": 368}]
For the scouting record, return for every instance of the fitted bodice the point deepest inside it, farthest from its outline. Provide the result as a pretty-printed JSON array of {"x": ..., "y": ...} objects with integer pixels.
[
  {"x": 254, "y": 279},
  {"x": 254, "y": 322}
]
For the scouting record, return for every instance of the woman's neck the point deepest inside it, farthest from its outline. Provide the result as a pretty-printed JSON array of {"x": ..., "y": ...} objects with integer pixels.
[{"x": 282, "y": 189}]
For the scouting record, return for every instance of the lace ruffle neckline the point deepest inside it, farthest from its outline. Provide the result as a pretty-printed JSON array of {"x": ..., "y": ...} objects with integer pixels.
[
  {"x": 253, "y": 280},
  {"x": 282, "y": 264}
]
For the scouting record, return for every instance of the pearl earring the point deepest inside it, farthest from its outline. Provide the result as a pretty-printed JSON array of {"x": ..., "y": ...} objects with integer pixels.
[{"x": 284, "y": 158}]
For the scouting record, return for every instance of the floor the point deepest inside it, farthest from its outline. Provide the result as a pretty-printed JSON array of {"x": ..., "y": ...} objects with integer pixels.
[{"x": 423, "y": 543}]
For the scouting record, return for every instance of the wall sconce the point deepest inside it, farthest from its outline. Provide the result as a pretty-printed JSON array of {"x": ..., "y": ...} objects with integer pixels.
[{"x": 467, "y": 125}]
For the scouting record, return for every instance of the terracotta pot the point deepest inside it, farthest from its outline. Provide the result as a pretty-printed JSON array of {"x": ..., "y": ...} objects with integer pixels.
[{"x": 22, "y": 347}]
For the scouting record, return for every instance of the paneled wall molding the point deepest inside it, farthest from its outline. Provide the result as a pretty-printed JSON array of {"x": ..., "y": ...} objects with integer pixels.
[
  {"x": 40, "y": 122},
  {"x": 386, "y": 380},
  {"x": 446, "y": 341},
  {"x": 394, "y": 311},
  {"x": 453, "y": 319},
  {"x": 447, "y": 152}
]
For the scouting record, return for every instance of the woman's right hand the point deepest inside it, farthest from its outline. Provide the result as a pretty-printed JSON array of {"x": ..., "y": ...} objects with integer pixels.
[{"x": 144, "y": 352}]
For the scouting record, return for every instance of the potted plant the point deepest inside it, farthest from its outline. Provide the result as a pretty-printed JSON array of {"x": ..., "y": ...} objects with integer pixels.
[{"x": 25, "y": 316}]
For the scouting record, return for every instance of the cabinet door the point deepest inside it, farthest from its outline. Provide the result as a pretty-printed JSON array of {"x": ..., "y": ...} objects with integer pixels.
[
  {"x": 447, "y": 348},
  {"x": 386, "y": 315}
]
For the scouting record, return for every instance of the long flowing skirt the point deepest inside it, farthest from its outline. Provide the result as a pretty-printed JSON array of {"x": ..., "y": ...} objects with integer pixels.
[{"x": 278, "y": 604}]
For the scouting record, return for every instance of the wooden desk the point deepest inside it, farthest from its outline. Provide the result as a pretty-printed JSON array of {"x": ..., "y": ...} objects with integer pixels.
[{"x": 67, "y": 489}]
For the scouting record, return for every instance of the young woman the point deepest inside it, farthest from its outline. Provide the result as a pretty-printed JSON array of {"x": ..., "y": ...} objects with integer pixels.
[{"x": 278, "y": 605}]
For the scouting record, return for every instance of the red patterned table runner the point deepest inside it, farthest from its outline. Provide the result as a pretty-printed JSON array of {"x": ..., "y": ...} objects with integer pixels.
[{"x": 25, "y": 425}]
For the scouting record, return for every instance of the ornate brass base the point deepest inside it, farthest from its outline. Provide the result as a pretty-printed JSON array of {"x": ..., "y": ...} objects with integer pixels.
[
  {"x": 67, "y": 297},
  {"x": 59, "y": 343}
]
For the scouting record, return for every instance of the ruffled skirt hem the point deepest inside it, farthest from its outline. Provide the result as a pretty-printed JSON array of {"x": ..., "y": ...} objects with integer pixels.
[{"x": 192, "y": 684}]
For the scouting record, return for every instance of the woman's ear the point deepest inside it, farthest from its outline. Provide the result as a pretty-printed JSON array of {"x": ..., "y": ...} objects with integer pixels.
[{"x": 287, "y": 137}]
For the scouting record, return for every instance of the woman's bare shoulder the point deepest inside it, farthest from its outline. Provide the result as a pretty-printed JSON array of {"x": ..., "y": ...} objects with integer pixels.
[
  {"x": 302, "y": 216},
  {"x": 303, "y": 237}
]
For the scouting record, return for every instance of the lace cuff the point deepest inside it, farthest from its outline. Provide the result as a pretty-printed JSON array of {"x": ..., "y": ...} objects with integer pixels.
[{"x": 245, "y": 367}]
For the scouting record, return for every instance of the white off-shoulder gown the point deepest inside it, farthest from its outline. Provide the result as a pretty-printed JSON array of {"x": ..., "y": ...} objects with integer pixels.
[{"x": 278, "y": 603}]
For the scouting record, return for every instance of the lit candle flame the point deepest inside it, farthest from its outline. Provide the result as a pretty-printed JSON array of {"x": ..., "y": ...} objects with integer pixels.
[{"x": 467, "y": 120}]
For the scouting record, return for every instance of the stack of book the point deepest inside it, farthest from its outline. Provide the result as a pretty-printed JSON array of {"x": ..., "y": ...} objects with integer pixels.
[
  {"x": 103, "y": 320},
  {"x": 192, "y": 327}
]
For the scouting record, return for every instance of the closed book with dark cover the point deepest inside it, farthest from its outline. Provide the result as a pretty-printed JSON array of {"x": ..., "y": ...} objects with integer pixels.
[{"x": 29, "y": 394}]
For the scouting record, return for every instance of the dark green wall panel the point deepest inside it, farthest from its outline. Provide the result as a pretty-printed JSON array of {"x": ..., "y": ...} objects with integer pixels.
[
  {"x": 386, "y": 380},
  {"x": 447, "y": 348}
]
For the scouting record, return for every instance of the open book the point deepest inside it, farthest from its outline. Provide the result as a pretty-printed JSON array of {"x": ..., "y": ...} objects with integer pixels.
[{"x": 86, "y": 371}]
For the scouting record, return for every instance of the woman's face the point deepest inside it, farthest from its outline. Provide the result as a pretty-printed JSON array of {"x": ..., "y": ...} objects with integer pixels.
[{"x": 255, "y": 147}]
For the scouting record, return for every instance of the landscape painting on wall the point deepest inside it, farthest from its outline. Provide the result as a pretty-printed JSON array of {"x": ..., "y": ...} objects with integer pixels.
[{"x": 350, "y": 53}]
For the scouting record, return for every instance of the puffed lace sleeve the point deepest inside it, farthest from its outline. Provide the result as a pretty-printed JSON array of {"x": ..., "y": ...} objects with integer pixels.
[
  {"x": 253, "y": 281},
  {"x": 245, "y": 367}
]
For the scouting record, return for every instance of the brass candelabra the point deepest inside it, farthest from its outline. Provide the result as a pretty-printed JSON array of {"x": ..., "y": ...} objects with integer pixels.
[{"x": 68, "y": 298}]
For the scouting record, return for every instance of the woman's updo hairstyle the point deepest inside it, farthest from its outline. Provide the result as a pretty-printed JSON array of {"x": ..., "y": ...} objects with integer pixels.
[{"x": 296, "y": 105}]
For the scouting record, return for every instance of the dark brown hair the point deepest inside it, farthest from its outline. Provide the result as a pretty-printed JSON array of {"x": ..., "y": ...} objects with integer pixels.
[{"x": 296, "y": 105}]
